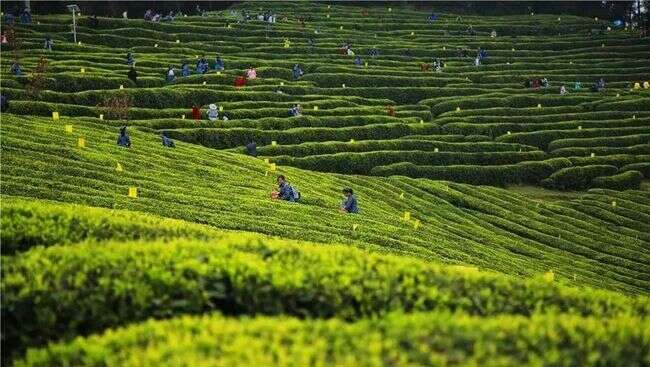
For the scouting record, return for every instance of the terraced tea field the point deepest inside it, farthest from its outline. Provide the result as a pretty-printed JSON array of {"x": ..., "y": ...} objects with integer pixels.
[{"x": 183, "y": 250}]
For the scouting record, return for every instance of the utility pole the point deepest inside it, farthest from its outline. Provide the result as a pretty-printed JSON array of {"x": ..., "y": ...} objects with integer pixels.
[{"x": 74, "y": 9}]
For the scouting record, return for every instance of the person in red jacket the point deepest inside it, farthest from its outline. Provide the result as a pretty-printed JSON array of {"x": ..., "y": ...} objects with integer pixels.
[{"x": 196, "y": 113}]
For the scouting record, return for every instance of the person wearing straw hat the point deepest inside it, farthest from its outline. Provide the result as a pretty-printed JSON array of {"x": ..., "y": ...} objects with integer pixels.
[{"x": 213, "y": 112}]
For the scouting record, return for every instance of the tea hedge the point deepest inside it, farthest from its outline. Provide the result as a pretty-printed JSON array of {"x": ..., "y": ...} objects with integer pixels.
[
  {"x": 401, "y": 340},
  {"x": 622, "y": 181},
  {"x": 87, "y": 288}
]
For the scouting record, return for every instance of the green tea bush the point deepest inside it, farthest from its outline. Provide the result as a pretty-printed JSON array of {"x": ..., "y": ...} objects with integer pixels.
[
  {"x": 59, "y": 292},
  {"x": 577, "y": 178},
  {"x": 643, "y": 167},
  {"x": 399, "y": 340},
  {"x": 500, "y": 175},
  {"x": 622, "y": 181},
  {"x": 363, "y": 163},
  {"x": 28, "y": 223}
]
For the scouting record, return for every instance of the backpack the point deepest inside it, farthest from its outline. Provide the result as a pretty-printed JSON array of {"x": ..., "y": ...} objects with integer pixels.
[{"x": 295, "y": 193}]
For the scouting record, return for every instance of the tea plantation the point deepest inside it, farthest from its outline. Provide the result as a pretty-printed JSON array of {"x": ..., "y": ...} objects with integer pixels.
[{"x": 460, "y": 255}]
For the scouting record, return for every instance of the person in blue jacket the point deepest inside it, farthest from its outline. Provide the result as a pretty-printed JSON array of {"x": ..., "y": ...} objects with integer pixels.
[
  {"x": 349, "y": 205},
  {"x": 124, "y": 140},
  {"x": 185, "y": 69},
  {"x": 218, "y": 64},
  {"x": 285, "y": 191},
  {"x": 15, "y": 69}
]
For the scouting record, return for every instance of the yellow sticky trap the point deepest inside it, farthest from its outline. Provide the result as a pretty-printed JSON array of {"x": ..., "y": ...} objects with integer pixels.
[
  {"x": 343, "y": 85},
  {"x": 327, "y": 15},
  {"x": 539, "y": 105},
  {"x": 579, "y": 127},
  {"x": 513, "y": 49},
  {"x": 341, "y": 27},
  {"x": 416, "y": 224},
  {"x": 121, "y": 86},
  {"x": 55, "y": 116},
  {"x": 79, "y": 43},
  {"x": 412, "y": 33},
  {"x": 156, "y": 45},
  {"x": 435, "y": 150},
  {"x": 549, "y": 276},
  {"x": 205, "y": 83},
  {"x": 118, "y": 167},
  {"x": 81, "y": 143},
  {"x": 508, "y": 132},
  {"x": 133, "y": 192},
  {"x": 390, "y": 9},
  {"x": 614, "y": 204},
  {"x": 266, "y": 160},
  {"x": 401, "y": 196},
  {"x": 178, "y": 41},
  {"x": 196, "y": 56},
  {"x": 602, "y": 45},
  {"x": 281, "y": 83},
  {"x": 457, "y": 109},
  {"x": 229, "y": 26},
  {"x": 272, "y": 167},
  {"x": 68, "y": 128},
  {"x": 559, "y": 19},
  {"x": 366, "y": 63},
  {"x": 218, "y": 73},
  {"x": 421, "y": 121},
  {"x": 596, "y": 19},
  {"x": 618, "y": 95},
  {"x": 351, "y": 140},
  {"x": 329, "y": 7},
  {"x": 592, "y": 155},
  {"x": 315, "y": 108},
  {"x": 83, "y": 70},
  {"x": 101, "y": 116},
  {"x": 354, "y": 227},
  {"x": 274, "y": 143},
  {"x": 221, "y": 108},
  {"x": 407, "y": 216},
  {"x": 633, "y": 117},
  {"x": 183, "y": 117},
  {"x": 444, "y": 48}
]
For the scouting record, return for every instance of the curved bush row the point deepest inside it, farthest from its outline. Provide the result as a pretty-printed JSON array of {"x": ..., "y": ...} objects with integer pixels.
[
  {"x": 420, "y": 339},
  {"x": 237, "y": 137},
  {"x": 615, "y": 141},
  {"x": 308, "y": 149},
  {"x": 643, "y": 149},
  {"x": 542, "y": 139},
  {"x": 363, "y": 163},
  {"x": 276, "y": 123},
  {"x": 502, "y": 128},
  {"x": 622, "y": 181},
  {"x": 577, "y": 178},
  {"x": 618, "y": 160},
  {"x": 500, "y": 175},
  {"x": 643, "y": 167},
  {"x": 60, "y": 292},
  {"x": 26, "y": 223}
]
